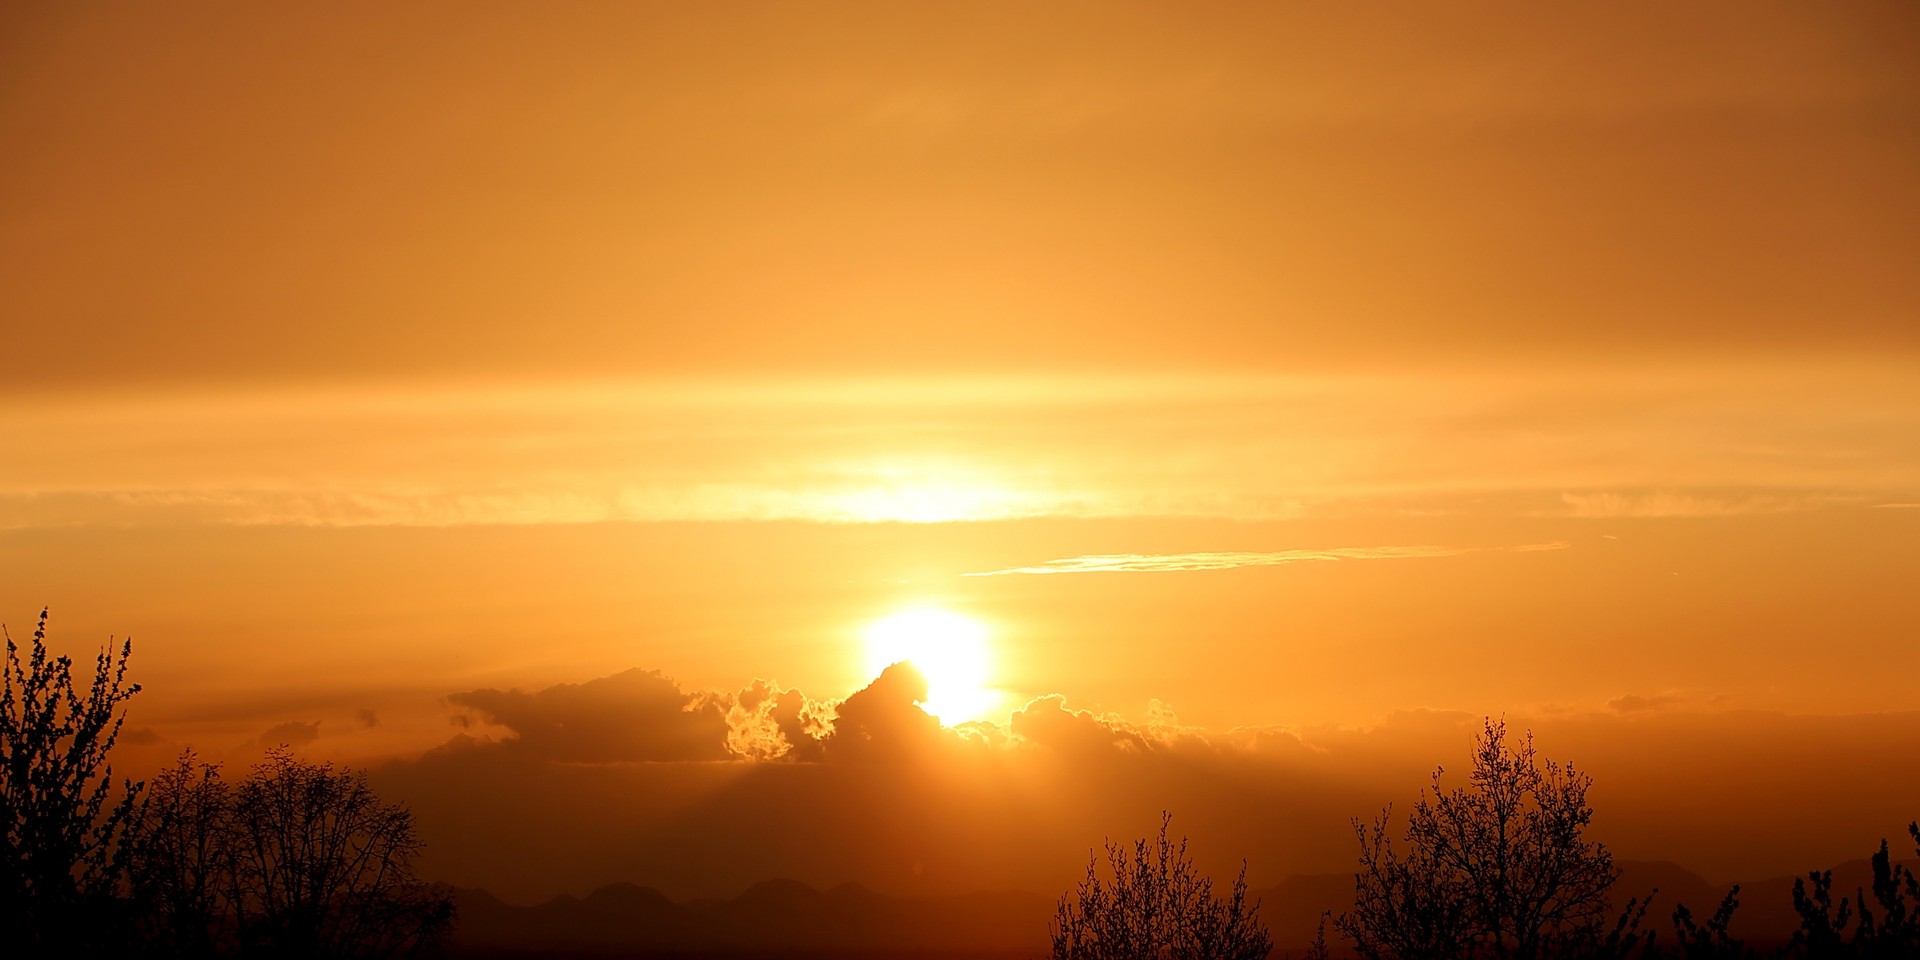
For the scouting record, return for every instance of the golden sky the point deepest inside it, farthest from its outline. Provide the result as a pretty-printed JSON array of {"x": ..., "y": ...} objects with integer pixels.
[{"x": 1285, "y": 386}]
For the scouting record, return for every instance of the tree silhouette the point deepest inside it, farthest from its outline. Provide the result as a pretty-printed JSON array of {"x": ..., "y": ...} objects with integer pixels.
[
  {"x": 1156, "y": 907},
  {"x": 1709, "y": 941},
  {"x": 299, "y": 860},
  {"x": 1856, "y": 930},
  {"x": 1499, "y": 868},
  {"x": 182, "y": 864},
  {"x": 64, "y": 841}
]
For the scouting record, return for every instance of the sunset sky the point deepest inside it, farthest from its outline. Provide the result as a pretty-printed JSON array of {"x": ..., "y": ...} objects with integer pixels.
[{"x": 541, "y": 405}]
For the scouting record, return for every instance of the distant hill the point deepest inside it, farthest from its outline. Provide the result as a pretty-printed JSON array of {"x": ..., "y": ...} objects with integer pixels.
[
  {"x": 778, "y": 917},
  {"x": 788, "y": 919}
]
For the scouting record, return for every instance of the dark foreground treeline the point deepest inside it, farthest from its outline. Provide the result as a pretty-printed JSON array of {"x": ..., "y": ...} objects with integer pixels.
[
  {"x": 300, "y": 860},
  {"x": 296, "y": 860},
  {"x": 1499, "y": 869},
  {"x": 850, "y": 921}
]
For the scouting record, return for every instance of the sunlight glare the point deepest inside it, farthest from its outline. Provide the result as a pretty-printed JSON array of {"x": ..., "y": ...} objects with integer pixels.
[{"x": 949, "y": 649}]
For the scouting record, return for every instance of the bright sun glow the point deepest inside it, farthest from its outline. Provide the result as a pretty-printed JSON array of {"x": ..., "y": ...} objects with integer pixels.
[
  {"x": 949, "y": 649},
  {"x": 924, "y": 503}
]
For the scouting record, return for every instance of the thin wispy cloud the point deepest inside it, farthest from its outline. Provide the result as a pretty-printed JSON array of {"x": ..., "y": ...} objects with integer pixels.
[
  {"x": 1667, "y": 503},
  {"x": 1253, "y": 448},
  {"x": 1228, "y": 560}
]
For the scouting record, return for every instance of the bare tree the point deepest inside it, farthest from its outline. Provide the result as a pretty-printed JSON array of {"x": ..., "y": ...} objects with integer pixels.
[
  {"x": 1156, "y": 907},
  {"x": 300, "y": 860},
  {"x": 182, "y": 861},
  {"x": 1499, "y": 868},
  {"x": 320, "y": 867},
  {"x": 61, "y": 824},
  {"x": 1857, "y": 930},
  {"x": 1711, "y": 940}
]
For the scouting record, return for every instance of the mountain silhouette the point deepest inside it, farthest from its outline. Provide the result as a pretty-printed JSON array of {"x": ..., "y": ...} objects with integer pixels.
[
  {"x": 778, "y": 916},
  {"x": 790, "y": 919}
]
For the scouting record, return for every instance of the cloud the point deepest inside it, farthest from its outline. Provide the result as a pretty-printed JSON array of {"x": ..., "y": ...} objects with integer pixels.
[
  {"x": 1177, "y": 562},
  {"x": 868, "y": 788},
  {"x": 366, "y": 718},
  {"x": 641, "y": 715},
  {"x": 872, "y": 789},
  {"x": 293, "y": 733},
  {"x": 766, "y": 722},
  {"x": 1635, "y": 703},
  {"x": 637, "y": 715},
  {"x": 1047, "y": 722},
  {"x": 881, "y": 721},
  {"x": 1667, "y": 503},
  {"x": 1266, "y": 447}
]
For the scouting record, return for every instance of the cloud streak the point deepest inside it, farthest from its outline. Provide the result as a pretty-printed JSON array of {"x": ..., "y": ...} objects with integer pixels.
[
  {"x": 1508, "y": 442},
  {"x": 1662, "y": 504},
  {"x": 1228, "y": 560}
]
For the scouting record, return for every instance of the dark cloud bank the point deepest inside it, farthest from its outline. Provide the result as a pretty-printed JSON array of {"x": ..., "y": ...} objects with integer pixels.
[{"x": 629, "y": 778}]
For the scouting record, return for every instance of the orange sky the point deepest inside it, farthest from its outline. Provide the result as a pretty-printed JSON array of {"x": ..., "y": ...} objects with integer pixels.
[{"x": 1293, "y": 369}]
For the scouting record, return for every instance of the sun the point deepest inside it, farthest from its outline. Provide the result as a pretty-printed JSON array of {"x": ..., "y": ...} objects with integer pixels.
[{"x": 950, "y": 650}]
